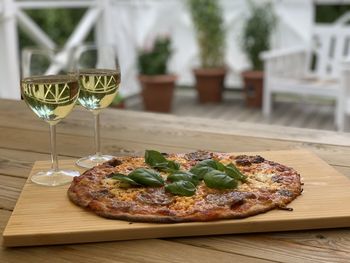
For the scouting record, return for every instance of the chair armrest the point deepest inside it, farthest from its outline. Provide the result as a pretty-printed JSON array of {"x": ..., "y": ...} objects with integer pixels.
[
  {"x": 278, "y": 53},
  {"x": 345, "y": 77},
  {"x": 285, "y": 63}
]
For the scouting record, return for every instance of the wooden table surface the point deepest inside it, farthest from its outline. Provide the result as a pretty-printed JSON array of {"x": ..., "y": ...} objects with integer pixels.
[{"x": 25, "y": 139}]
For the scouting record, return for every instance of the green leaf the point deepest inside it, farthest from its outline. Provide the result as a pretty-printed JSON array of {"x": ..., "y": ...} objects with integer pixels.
[
  {"x": 211, "y": 163},
  {"x": 257, "y": 31},
  {"x": 154, "y": 61},
  {"x": 146, "y": 177},
  {"x": 124, "y": 179},
  {"x": 156, "y": 160},
  {"x": 173, "y": 165},
  {"x": 207, "y": 18},
  {"x": 183, "y": 176},
  {"x": 220, "y": 166},
  {"x": 219, "y": 180},
  {"x": 232, "y": 171},
  {"x": 200, "y": 171},
  {"x": 184, "y": 188},
  {"x": 205, "y": 166}
]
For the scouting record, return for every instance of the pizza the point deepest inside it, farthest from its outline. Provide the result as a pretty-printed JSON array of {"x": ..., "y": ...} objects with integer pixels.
[{"x": 198, "y": 186}]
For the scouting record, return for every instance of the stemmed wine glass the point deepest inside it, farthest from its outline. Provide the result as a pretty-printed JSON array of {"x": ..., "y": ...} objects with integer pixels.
[
  {"x": 99, "y": 79},
  {"x": 51, "y": 98}
]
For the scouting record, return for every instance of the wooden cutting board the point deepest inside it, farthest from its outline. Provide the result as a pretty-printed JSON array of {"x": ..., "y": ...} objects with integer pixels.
[{"x": 44, "y": 215}]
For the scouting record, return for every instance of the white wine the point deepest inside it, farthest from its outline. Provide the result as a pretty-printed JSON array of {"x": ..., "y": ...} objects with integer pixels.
[
  {"x": 51, "y": 98},
  {"x": 98, "y": 88}
]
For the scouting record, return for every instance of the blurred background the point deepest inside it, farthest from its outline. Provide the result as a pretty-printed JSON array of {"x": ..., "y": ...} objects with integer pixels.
[{"x": 276, "y": 62}]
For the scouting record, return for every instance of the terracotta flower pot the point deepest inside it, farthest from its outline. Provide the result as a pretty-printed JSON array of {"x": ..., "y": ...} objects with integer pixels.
[
  {"x": 253, "y": 88},
  {"x": 120, "y": 105},
  {"x": 209, "y": 84},
  {"x": 157, "y": 92}
]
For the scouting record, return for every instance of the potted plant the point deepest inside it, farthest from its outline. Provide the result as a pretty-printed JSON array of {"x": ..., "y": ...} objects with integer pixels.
[
  {"x": 118, "y": 102},
  {"x": 157, "y": 84},
  {"x": 256, "y": 36},
  {"x": 210, "y": 33}
]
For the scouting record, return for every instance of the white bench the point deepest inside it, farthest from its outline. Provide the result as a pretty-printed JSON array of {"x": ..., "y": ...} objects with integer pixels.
[{"x": 291, "y": 71}]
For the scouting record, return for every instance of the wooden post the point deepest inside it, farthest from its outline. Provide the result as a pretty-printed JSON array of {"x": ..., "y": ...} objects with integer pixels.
[
  {"x": 9, "y": 62},
  {"x": 104, "y": 24}
]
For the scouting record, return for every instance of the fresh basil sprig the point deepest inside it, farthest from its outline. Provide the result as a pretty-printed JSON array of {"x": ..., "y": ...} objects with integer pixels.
[
  {"x": 219, "y": 180},
  {"x": 206, "y": 166},
  {"x": 146, "y": 177},
  {"x": 211, "y": 163},
  {"x": 214, "y": 173},
  {"x": 183, "y": 176},
  {"x": 172, "y": 166},
  {"x": 157, "y": 161},
  {"x": 217, "y": 174},
  {"x": 231, "y": 170},
  {"x": 125, "y": 180},
  {"x": 184, "y": 188},
  {"x": 140, "y": 177}
]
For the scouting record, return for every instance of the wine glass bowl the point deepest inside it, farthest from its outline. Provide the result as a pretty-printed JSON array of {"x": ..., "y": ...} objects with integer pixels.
[
  {"x": 99, "y": 87},
  {"x": 51, "y": 98},
  {"x": 99, "y": 80}
]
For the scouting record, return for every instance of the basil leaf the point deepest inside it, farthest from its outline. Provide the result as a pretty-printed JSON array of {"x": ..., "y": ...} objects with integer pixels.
[
  {"x": 173, "y": 165},
  {"x": 183, "y": 176},
  {"x": 219, "y": 180},
  {"x": 232, "y": 171},
  {"x": 154, "y": 158},
  {"x": 211, "y": 163},
  {"x": 205, "y": 166},
  {"x": 124, "y": 179},
  {"x": 220, "y": 166},
  {"x": 157, "y": 160},
  {"x": 200, "y": 171},
  {"x": 184, "y": 188},
  {"x": 146, "y": 177}
]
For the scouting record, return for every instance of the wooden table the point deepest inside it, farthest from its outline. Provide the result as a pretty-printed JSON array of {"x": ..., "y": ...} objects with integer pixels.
[{"x": 25, "y": 139}]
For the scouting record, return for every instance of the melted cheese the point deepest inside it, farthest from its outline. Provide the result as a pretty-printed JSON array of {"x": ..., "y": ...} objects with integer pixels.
[
  {"x": 263, "y": 177},
  {"x": 259, "y": 177}
]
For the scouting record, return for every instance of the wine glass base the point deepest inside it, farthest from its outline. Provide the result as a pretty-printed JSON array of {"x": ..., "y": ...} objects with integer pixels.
[
  {"x": 54, "y": 178},
  {"x": 93, "y": 160}
]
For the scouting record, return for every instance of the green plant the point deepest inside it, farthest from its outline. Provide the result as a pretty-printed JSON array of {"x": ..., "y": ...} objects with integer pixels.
[
  {"x": 257, "y": 32},
  {"x": 208, "y": 22},
  {"x": 118, "y": 99},
  {"x": 50, "y": 20},
  {"x": 155, "y": 60}
]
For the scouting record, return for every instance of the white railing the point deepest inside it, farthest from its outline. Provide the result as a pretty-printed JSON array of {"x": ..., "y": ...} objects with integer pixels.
[
  {"x": 12, "y": 14},
  {"x": 130, "y": 24}
]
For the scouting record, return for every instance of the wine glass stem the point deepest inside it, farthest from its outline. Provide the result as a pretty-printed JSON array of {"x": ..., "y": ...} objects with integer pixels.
[
  {"x": 54, "y": 160},
  {"x": 97, "y": 133}
]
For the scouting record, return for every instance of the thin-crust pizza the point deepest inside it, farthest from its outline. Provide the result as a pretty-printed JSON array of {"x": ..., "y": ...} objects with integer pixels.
[{"x": 199, "y": 186}]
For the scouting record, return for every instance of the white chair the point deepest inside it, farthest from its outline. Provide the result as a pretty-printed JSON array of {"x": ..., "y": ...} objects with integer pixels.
[{"x": 312, "y": 71}]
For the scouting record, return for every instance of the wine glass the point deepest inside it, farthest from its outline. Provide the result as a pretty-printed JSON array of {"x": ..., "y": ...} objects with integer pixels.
[
  {"x": 51, "y": 98},
  {"x": 99, "y": 79}
]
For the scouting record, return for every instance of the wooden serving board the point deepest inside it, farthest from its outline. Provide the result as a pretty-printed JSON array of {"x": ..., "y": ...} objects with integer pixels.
[{"x": 44, "y": 215}]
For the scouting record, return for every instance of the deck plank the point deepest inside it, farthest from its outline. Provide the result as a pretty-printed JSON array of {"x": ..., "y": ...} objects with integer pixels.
[{"x": 294, "y": 113}]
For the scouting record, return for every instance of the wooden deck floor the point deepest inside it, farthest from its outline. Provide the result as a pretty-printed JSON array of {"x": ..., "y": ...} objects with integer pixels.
[{"x": 287, "y": 112}]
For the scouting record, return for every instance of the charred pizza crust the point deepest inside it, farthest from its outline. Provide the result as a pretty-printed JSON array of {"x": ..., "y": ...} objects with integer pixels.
[{"x": 269, "y": 185}]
